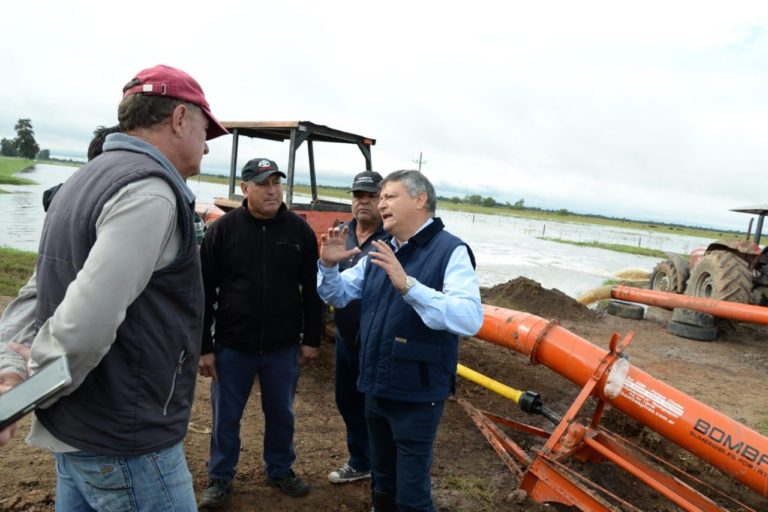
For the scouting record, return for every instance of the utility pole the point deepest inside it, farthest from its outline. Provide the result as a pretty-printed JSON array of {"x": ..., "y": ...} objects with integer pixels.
[{"x": 419, "y": 161}]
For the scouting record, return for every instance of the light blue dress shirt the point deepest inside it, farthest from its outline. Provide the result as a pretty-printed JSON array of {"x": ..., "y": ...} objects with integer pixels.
[{"x": 456, "y": 309}]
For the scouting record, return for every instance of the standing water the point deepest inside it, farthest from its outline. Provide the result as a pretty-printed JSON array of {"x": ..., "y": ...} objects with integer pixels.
[{"x": 504, "y": 247}]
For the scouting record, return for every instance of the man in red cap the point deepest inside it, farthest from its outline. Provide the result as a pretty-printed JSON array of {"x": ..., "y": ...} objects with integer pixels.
[{"x": 119, "y": 292}]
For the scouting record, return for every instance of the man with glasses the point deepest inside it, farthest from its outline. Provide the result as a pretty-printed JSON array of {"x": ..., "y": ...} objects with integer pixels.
[
  {"x": 363, "y": 229},
  {"x": 259, "y": 268},
  {"x": 419, "y": 292}
]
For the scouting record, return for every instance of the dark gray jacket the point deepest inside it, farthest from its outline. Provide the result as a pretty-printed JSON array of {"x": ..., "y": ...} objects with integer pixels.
[{"x": 139, "y": 397}]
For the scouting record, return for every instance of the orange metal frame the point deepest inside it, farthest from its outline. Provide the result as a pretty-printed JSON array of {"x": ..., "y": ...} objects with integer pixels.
[
  {"x": 319, "y": 221},
  {"x": 712, "y": 436}
]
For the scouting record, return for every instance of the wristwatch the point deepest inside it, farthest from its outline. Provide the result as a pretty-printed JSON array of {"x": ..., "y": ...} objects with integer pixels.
[{"x": 409, "y": 282}]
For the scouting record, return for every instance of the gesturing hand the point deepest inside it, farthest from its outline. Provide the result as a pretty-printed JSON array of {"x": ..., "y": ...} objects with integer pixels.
[
  {"x": 333, "y": 247},
  {"x": 385, "y": 258}
]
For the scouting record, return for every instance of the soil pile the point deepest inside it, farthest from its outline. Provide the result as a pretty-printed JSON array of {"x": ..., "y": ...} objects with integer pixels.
[{"x": 523, "y": 294}]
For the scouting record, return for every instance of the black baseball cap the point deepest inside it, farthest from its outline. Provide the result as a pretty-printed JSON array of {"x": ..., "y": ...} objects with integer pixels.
[
  {"x": 367, "y": 181},
  {"x": 259, "y": 169}
]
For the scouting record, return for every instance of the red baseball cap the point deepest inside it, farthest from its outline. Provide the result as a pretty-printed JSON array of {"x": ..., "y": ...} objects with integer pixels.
[{"x": 164, "y": 80}]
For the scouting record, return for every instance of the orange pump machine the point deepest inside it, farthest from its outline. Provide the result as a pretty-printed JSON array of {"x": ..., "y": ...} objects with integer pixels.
[{"x": 606, "y": 375}]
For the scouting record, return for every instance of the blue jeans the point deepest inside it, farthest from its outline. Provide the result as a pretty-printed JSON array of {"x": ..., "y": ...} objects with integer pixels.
[
  {"x": 351, "y": 404},
  {"x": 158, "y": 481},
  {"x": 278, "y": 374},
  {"x": 402, "y": 437}
]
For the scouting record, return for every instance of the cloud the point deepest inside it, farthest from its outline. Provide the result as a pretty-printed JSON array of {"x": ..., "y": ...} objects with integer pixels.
[{"x": 653, "y": 110}]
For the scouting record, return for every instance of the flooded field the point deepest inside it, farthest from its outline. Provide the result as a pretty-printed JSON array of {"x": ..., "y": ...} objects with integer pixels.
[{"x": 505, "y": 247}]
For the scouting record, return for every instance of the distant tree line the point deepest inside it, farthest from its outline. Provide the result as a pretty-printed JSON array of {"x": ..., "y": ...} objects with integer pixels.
[
  {"x": 24, "y": 144},
  {"x": 489, "y": 202}
]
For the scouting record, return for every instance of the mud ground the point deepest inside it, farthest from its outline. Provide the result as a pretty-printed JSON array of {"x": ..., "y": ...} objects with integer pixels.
[{"x": 728, "y": 374}]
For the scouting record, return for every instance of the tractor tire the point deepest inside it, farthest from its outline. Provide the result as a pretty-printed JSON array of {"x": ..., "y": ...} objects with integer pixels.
[
  {"x": 666, "y": 277},
  {"x": 692, "y": 317},
  {"x": 693, "y": 332},
  {"x": 626, "y": 310},
  {"x": 721, "y": 275}
]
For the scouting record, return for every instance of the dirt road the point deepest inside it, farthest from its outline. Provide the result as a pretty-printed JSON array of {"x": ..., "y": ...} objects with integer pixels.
[{"x": 728, "y": 374}]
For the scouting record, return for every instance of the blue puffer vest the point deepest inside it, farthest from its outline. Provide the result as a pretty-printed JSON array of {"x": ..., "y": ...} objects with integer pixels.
[
  {"x": 138, "y": 398},
  {"x": 401, "y": 358}
]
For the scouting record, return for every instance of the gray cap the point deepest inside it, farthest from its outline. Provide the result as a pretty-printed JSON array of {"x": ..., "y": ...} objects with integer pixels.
[{"x": 367, "y": 181}]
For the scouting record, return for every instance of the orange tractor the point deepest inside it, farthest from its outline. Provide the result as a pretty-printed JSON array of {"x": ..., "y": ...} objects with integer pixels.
[
  {"x": 321, "y": 214},
  {"x": 734, "y": 271}
]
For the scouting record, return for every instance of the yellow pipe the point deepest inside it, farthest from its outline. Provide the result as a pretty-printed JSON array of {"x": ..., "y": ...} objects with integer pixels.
[{"x": 487, "y": 382}]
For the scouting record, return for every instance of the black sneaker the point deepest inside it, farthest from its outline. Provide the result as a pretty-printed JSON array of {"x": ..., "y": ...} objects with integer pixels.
[
  {"x": 347, "y": 473},
  {"x": 216, "y": 494},
  {"x": 290, "y": 484}
]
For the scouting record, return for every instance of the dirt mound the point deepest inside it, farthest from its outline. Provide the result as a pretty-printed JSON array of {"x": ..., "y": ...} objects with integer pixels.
[{"x": 523, "y": 294}]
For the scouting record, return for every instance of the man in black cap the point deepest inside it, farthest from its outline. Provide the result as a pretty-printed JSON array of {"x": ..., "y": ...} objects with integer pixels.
[
  {"x": 259, "y": 265},
  {"x": 364, "y": 228}
]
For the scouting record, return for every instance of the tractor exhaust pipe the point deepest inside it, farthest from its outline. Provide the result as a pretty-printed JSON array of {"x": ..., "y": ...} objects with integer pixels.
[{"x": 710, "y": 435}]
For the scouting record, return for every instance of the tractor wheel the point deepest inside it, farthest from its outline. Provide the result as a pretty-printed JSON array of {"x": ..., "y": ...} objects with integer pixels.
[
  {"x": 693, "y": 332},
  {"x": 721, "y": 275},
  {"x": 691, "y": 317},
  {"x": 626, "y": 309},
  {"x": 668, "y": 278}
]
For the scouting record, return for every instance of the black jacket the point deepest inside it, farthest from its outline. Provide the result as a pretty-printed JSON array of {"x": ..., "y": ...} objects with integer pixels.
[{"x": 261, "y": 277}]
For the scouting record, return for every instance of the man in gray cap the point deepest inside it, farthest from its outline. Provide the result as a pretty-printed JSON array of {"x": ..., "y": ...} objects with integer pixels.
[
  {"x": 259, "y": 264},
  {"x": 364, "y": 228}
]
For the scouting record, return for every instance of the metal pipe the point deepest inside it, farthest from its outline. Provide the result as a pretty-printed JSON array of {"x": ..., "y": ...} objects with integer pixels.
[
  {"x": 718, "y": 308},
  {"x": 233, "y": 162},
  {"x": 291, "y": 165},
  {"x": 714, "y": 437},
  {"x": 312, "y": 174}
]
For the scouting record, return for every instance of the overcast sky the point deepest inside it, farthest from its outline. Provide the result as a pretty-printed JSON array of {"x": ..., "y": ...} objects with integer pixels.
[{"x": 649, "y": 110}]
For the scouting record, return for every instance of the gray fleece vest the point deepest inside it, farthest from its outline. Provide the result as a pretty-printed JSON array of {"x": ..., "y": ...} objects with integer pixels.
[{"x": 139, "y": 397}]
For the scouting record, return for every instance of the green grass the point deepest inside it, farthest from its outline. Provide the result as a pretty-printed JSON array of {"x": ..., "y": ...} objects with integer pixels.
[
  {"x": 15, "y": 269},
  {"x": 63, "y": 163},
  {"x": 10, "y": 166},
  {"x": 642, "y": 251},
  {"x": 477, "y": 488},
  {"x": 335, "y": 192},
  {"x": 210, "y": 178},
  {"x": 569, "y": 217}
]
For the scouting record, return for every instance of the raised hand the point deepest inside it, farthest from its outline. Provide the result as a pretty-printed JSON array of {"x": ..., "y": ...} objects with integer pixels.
[
  {"x": 333, "y": 247},
  {"x": 385, "y": 257}
]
